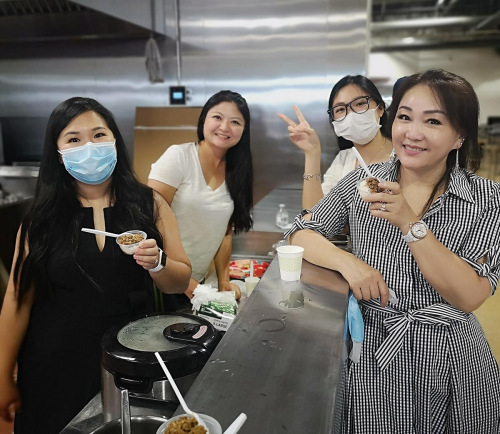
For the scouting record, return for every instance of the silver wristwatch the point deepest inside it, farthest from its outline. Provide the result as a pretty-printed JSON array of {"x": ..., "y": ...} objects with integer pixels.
[{"x": 418, "y": 230}]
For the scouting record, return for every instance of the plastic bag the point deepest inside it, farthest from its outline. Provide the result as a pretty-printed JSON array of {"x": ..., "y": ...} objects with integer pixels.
[{"x": 203, "y": 294}]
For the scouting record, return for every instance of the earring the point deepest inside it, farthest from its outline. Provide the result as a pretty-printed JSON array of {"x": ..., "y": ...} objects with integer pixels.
[
  {"x": 393, "y": 157},
  {"x": 457, "y": 164}
]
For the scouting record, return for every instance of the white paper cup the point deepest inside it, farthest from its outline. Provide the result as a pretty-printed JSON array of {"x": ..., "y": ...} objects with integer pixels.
[
  {"x": 211, "y": 423},
  {"x": 250, "y": 284},
  {"x": 290, "y": 262}
]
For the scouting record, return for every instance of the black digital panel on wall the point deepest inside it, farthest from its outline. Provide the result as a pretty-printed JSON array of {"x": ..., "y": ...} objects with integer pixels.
[
  {"x": 177, "y": 95},
  {"x": 22, "y": 139}
]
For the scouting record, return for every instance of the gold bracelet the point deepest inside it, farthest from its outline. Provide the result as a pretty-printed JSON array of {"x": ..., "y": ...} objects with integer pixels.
[{"x": 308, "y": 176}]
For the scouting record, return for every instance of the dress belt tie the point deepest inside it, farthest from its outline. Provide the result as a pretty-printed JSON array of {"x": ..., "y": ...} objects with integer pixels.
[{"x": 398, "y": 323}]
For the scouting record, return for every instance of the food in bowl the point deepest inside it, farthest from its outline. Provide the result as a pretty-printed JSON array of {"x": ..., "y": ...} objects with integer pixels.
[
  {"x": 212, "y": 426},
  {"x": 129, "y": 241},
  {"x": 368, "y": 186},
  {"x": 185, "y": 425}
]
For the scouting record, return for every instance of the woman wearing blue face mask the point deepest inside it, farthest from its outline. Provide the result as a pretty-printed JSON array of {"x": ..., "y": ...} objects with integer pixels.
[
  {"x": 358, "y": 116},
  {"x": 68, "y": 287}
]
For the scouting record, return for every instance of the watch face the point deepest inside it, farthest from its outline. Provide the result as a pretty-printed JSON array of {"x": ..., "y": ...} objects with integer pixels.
[{"x": 419, "y": 230}]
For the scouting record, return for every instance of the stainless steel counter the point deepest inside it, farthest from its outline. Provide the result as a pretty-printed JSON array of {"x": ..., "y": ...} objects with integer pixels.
[
  {"x": 91, "y": 417},
  {"x": 258, "y": 243},
  {"x": 264, "y": 212},
  {"x": 278, "y": 363}
]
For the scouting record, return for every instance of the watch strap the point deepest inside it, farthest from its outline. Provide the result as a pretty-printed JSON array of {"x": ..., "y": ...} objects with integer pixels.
[
  {"x": 409, "y": 237},
  {"x": 162, "y": 260}
]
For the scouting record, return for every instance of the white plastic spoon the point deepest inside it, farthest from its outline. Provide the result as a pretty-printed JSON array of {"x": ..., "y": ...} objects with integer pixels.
[
  {"x": 236, "y": 425},
  {"x": 108, "y": 234},
  {"x": 365, "y": 167},
  {"x": 178, "y": 393},
  {"x": 362, "y": 162}
]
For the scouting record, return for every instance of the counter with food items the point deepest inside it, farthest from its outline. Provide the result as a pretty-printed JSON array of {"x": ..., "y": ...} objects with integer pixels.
[
  {"x": 278, "y": 362},
  {"x": 242, "y": 268}
]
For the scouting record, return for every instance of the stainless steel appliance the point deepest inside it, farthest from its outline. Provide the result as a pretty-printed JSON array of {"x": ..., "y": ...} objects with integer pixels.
[
  {"x": 184, "y": 342},
  {"x": 138, "y": 425}
]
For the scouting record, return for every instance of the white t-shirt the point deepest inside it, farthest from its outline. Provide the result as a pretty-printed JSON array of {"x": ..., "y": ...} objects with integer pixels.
[
  {"x": 344, "y": 162},
  {"x": 202, "y": 213}
]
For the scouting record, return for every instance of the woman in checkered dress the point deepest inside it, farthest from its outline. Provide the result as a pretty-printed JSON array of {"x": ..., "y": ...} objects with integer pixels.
[{"x": 433, "y": 237}]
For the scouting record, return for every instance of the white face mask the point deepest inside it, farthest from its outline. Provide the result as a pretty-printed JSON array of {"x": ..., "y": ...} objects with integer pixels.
[{"x": 358, "y": 128}]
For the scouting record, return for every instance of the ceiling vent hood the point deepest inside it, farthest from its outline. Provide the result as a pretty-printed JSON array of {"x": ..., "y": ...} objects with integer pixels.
[
  {"x": 399, "y": 25},
  {"x": 62, "y": 28}
]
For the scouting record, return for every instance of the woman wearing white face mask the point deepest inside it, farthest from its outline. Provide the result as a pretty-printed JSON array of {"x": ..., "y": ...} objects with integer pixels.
[
  {"x": 68, "y": 287},
  {"x": 357, "y": 112}
]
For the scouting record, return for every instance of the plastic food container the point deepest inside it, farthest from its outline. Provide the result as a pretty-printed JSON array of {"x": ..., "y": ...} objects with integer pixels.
[
  {"x": 368, "y": 186},
  {"x": 130, "y": 249}
]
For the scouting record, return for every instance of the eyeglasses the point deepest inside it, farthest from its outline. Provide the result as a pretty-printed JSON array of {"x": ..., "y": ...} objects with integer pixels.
[{"x": 358, "y": 105}]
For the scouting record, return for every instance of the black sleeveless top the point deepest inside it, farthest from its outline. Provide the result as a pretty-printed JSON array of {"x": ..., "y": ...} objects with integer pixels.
[{"x": 59, "y": 361}]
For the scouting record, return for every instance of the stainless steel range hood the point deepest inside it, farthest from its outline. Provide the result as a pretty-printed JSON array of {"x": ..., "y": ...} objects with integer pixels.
[
  {"x": 132, "y": 11},
  {"x": 49, "y": 20},
  {"x": 62, "y": 28}
]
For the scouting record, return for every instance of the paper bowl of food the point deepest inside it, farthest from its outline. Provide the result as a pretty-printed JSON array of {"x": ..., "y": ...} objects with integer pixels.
[
  {"x": 129, "y": 241},
  {"x": 189, "y": 425},
  {"x": 368, "y": 186}
]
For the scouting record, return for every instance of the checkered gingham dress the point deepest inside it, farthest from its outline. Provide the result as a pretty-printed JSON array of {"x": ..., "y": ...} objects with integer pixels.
[{"x": 425, "y": 366}]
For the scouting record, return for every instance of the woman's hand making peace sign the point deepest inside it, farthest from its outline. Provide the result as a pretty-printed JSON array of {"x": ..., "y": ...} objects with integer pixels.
[{"x": 301, "y": 134}]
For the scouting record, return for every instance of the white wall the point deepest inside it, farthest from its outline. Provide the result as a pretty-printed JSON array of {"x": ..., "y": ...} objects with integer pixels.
[{"x": 480, "y": 66}]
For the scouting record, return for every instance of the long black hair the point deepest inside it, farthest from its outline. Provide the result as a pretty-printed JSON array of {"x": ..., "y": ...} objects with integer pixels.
[
  {"x": 461, "y": 105},
  {"x": 56, "y": 210},
  {"x": 371, "y": 90},
  {"x": 239, "y": 170}
]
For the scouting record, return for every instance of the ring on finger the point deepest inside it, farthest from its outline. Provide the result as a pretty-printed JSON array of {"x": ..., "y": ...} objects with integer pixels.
[
  {"x": 382, "y": 208},
  {"x": 155, "y": 261}
]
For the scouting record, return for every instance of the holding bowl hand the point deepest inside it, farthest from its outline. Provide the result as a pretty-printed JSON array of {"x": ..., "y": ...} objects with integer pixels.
[
  {"x": 391, "y": 205},
  {"x": 147, "y": 254}
]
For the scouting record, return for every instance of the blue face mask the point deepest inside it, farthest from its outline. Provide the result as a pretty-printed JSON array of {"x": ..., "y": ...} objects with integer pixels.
[
  {"x": 92, "y": 163},
  {"x": 355, "y": 325}
]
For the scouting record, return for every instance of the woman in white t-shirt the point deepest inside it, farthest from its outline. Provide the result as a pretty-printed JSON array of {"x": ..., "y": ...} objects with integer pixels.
[
  {"x": 208, "y": 184},
  {"x": 358, "y": 115}
]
